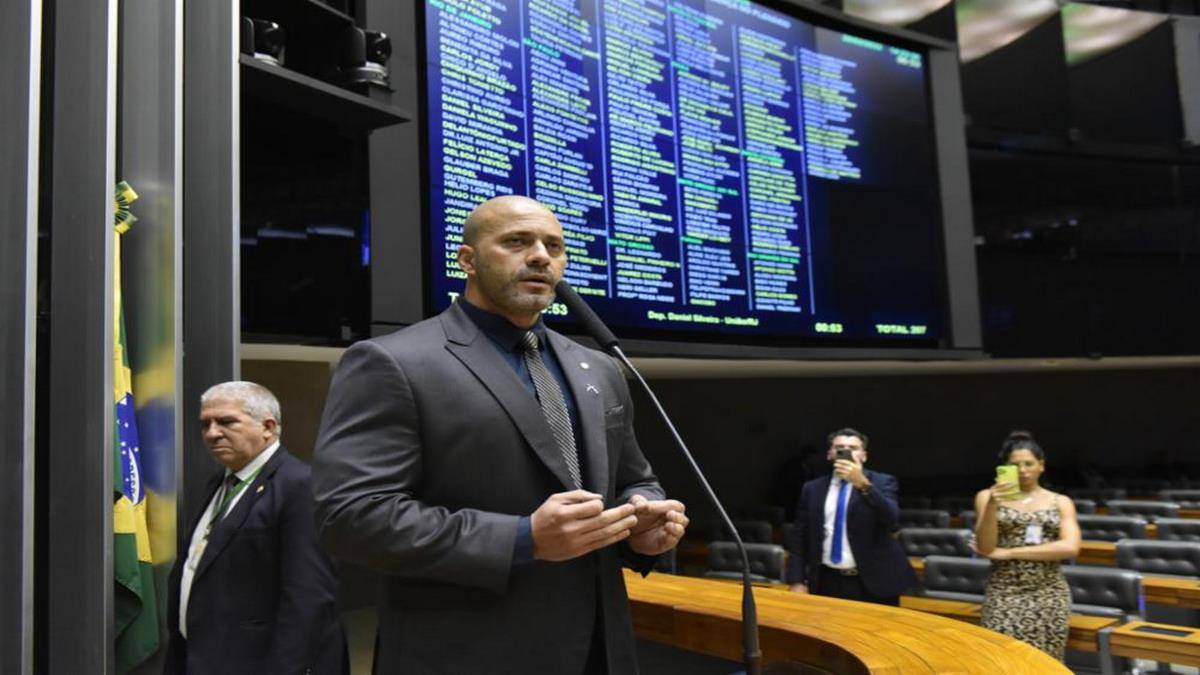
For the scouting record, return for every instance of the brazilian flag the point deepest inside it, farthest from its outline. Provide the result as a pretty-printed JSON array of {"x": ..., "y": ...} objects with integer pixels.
[{"x": 134, "y": 601}]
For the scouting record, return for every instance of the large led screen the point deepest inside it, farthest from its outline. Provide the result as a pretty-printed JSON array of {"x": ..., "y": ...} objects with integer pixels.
[{"x": 722, "y": 171}]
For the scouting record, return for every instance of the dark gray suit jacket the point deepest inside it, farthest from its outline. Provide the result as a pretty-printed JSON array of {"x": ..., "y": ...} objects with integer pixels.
[{"x": 430, "y": 451}]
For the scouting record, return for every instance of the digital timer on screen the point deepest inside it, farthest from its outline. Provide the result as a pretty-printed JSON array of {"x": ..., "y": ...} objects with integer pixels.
[{"x": 721, "y": 170}]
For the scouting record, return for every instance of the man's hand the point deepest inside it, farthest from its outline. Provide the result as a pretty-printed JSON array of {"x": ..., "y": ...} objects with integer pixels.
[
  {"x": 851, "y": 471},
  {"x": 660, "y": 525},
  {"x": 799, "y": 588},
  {"x": 570, "y": 524}
]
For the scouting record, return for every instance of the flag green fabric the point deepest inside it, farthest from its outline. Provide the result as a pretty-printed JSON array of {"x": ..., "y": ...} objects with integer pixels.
[{"x": 134, "y": 600}]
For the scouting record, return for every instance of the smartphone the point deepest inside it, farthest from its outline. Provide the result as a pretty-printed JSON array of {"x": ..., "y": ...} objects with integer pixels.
[
  {"x": 848, "y": 455},
  {"x": 1007, "y": 473}
]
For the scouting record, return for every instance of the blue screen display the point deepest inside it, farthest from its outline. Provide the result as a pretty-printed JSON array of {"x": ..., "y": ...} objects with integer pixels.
[{"x": 722, "y": 171}]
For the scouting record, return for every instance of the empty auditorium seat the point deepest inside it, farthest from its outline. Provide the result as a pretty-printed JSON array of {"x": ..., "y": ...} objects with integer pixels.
[
  {"x": 924, "y": 518},
  {"x": 1180, "y": 558},
  {"x": 1112, "y": 528},
  {"x": 725, "y": 562},
  {"x": 968, "y": 519},
  {"x": 1144, "y": 487},
  {"x": 1187, "y": 499},
  {"x": 1150, "y": 510},
  {"x": 1098, "y": 495},
  {"x": 954, "y": 578},
  {"x": 1105, "y": 591},
  {"x": 1178, "y": 529},
  {"x": 752, "y": 532},
  {"x": 1166, "y": 558},
  {"x": 925, "y": 541},
  {"x": 1087, "y": 506}
]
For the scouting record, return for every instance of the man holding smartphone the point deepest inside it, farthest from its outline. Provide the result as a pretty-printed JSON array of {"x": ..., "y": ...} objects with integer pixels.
[{"x": 841, "y": 544}]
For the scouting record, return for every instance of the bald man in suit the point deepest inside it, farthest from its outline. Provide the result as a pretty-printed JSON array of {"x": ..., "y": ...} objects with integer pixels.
[{"x": 487, "y": 466}]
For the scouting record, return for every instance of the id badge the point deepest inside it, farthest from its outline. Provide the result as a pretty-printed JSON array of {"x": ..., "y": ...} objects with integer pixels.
[{"x": 1033, "y": 534}]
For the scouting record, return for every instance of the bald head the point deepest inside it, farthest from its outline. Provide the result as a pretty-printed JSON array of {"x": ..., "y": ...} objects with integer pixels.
[
  {"x": 513, "y": 253},
  {"x": 498, "y": 210}
]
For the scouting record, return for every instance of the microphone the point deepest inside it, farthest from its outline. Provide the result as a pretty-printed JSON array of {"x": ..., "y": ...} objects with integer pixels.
[{"x": 751, "y": 655}]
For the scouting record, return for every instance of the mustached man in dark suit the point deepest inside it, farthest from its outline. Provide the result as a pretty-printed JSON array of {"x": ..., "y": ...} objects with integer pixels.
[
  {"x": 252, "y": 591},
  {"x": 841, "y": 544},
  {"x": 487, "y": 467}
]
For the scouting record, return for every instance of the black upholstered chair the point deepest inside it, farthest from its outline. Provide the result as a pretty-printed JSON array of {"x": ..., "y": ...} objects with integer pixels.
[
  {"x": 1105, "y": 591},
  {"x": 1144, "y": 487},
  {"x": 920, "y": 542},
  {"x": 1086, "y": 506},
  {"x": 752, "y": 532},
  {"x": 1187, "y": 499},
  {"x": 954, "y": 504},
  {"x": 968, "y": 519},
  {"x": 766, "y": 561},
  {"x": 1099, "y": 495},
  {"x": 1178, "y": 529},
  {"x": 1112, "y": 528},
  {"x": 924, "y": 518},
  {"x": 1179, "y": 558},
  {"x": 1150, "y": 510},
  {"x": 1166, "y": 558},
  {"x": 955, "y": 578}
]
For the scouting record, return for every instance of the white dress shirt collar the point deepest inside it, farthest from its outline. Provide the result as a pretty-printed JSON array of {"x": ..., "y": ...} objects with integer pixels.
[{"x": 255, "y": 464}]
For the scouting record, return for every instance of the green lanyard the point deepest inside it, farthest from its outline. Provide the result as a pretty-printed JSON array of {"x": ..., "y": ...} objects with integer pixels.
[{"x": 228, "y": 495}]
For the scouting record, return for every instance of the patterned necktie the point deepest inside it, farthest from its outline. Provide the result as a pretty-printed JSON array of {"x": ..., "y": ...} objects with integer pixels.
[
  {"x": 839, "y": 525},
  {"x": 554, "y": 407}
]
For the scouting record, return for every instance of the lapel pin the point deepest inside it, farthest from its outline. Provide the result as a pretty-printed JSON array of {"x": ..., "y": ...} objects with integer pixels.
[
  {"x": 584, "y": 365},
  {"x": 261, "y": 488},
  {"x": 592, "y": 388}
]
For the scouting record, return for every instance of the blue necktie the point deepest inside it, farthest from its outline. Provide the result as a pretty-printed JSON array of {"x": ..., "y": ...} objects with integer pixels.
[{"x": 839, "y": 525}]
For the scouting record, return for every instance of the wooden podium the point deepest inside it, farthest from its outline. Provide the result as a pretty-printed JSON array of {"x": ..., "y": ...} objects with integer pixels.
[{"x": 841, "y": 636}]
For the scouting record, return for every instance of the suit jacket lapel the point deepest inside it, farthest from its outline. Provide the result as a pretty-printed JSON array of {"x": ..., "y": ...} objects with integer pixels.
[
  {"x": 590, "y": 405},
  {"x": 224, "y": 530},
  {"x": 475, "y": 351},
  {"x": 210, "y": 489},
  {"x": 817, "y": 500}
]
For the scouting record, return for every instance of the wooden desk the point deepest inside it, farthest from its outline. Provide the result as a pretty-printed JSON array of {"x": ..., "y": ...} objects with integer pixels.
[
  {"x": 1098, "y": 553},
  {"x": 1184, "y": 650},
  {"x": 1171, "y": 591},
  {"x": 838, "y": 635},
  {"x": 1084, "y": 630}
]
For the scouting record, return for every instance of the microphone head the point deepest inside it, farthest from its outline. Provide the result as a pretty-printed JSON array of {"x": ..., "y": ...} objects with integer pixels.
[{"x": 584, "y": 314}]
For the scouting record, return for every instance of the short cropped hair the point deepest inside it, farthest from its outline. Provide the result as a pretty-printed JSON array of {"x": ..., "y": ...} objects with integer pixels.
[
  {"x": 257, "y": 401},
  {"x": 847, "y": 431}
]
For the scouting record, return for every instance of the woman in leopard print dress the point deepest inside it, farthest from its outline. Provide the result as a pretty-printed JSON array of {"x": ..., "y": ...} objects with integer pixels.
[{"x": 1026, "y": 531}]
